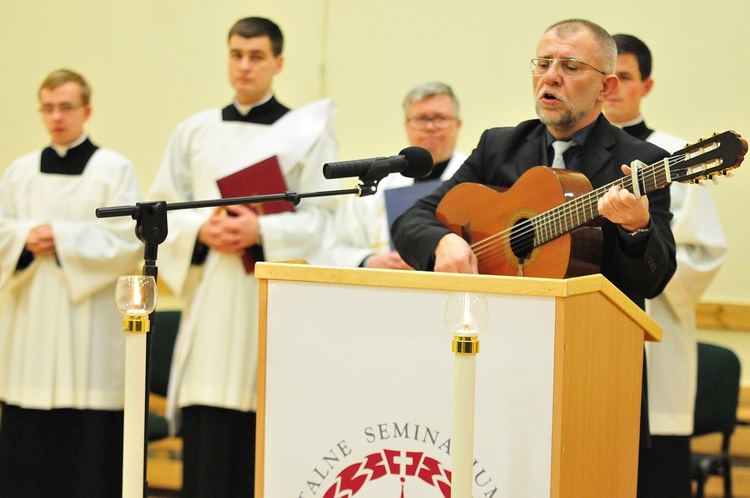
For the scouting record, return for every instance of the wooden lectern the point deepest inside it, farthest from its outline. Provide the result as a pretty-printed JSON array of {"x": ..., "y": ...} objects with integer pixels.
[{"x": 355, "y": 385}]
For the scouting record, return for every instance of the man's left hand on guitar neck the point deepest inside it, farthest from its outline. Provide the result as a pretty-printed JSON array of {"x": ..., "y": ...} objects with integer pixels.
[{"x": 621, "y": 207}]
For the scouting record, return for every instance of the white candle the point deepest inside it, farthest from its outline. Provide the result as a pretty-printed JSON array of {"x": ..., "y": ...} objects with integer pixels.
[
  {"x": 465, "y": 317},
  {"x": 462, "y": 442},
  {"x": 135, "y": 409}
]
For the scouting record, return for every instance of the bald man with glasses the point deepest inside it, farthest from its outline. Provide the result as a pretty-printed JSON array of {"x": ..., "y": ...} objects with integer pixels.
[{"x": 572, "y": 75}]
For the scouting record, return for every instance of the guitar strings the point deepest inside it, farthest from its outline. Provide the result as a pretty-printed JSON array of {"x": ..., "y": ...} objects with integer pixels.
[{"x": 525, "y": 235}]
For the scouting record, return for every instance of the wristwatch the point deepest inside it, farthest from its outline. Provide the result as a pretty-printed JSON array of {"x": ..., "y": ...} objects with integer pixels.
[{"x": 640, "y": 230}]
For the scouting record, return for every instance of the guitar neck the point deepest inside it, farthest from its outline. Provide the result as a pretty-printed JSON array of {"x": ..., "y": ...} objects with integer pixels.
[{"x": 584, "y": 209}]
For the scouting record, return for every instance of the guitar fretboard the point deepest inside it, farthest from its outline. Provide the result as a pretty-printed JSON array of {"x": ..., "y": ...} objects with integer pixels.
[{"x": 581, "y": 210}]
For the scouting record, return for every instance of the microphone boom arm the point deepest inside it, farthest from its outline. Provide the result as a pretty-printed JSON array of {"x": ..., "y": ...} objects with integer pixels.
[{"x": 135, "y": 210}]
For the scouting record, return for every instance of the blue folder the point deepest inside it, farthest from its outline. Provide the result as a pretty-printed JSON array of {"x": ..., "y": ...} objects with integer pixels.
[{"x": 399, "y": 199}]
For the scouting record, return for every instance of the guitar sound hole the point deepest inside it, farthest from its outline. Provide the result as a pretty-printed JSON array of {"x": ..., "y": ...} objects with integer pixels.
[{"x": 522, "y": 239}]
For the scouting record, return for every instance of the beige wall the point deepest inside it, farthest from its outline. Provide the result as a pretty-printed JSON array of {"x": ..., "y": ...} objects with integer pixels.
[{"x": 154, "y": 62}]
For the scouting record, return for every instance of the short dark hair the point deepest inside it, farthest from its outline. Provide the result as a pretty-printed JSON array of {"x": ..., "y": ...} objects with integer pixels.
[
  {"x": 629, "y": 44},
  {"x": 60, "y": 77},
  {"x": 251, "y": 27}
]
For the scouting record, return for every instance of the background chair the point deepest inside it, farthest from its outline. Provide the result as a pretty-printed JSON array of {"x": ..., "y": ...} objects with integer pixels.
[
  {"x": 164, "y": 452},
  {"x": 166, "y": 324},
  {"x": 715, "y": 412}
]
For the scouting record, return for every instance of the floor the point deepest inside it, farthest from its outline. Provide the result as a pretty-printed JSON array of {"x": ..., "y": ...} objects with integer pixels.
[
  {"x": 740, "y": 451},
  {"x": 164, "y": 468},
  {"x": 740, "y": 484}
]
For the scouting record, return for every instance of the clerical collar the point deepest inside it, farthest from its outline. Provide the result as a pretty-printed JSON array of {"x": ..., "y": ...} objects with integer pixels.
[
  {"x": 637, "y": 129},
  {"x": 244, "y": 109},
  {"x": 72, "y": 163},
  {"x": 632, "y": 122},
  {"x": 62, "y": 150},
  {"x": 266, "y": 113},
  {"x": 436, "y": 173}
]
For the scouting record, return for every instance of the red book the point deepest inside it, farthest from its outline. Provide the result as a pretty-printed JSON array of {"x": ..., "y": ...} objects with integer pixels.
[{"x": 262, "y": 178}]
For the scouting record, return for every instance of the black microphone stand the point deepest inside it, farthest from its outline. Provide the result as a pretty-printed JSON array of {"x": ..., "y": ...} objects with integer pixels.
[{"x": 151, "y": 229}]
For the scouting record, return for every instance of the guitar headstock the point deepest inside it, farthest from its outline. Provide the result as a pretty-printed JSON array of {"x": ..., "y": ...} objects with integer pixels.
[{"x": 708, "y": 158}]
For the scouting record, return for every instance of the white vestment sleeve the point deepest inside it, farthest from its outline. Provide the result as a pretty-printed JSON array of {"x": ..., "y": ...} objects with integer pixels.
[
  {"x": 13, "y": 231},
  {"x": 93, "y": 252},
  {"x": 173, "y": 184},
  {"x": 301, "y": 234},
  {"x": 701, "y": 247}
]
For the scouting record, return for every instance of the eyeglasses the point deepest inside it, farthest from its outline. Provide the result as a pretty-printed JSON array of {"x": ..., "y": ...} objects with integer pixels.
[
  {"x": 67, "y": 108},
  {"x": 439, "y": 122},
  {"x": 568, "y": 66}
]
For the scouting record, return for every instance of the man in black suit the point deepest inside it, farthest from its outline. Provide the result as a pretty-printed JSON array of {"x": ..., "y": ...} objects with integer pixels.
[{"x": 572, "y": 73}]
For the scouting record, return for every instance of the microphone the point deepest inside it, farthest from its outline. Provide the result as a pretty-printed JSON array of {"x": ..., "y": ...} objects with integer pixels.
[{"x": 412, "y": 162}]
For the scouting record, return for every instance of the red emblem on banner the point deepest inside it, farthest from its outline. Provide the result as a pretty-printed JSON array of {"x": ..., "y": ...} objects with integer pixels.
[{"x": 404, "y": 464}]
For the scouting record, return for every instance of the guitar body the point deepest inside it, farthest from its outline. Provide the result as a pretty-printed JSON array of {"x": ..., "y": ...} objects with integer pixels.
[{"x": 479, "y": 214}]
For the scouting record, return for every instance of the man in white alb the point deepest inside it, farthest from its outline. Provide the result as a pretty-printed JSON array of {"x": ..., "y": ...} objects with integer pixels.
[
  {"x": 62, "y": 347},
  {"x": 212, "y": 394}
]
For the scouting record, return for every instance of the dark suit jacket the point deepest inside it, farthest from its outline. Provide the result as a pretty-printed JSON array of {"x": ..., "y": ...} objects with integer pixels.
[{"x": 639, "y": 266}]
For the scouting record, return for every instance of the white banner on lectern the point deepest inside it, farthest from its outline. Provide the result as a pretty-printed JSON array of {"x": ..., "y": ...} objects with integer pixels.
[{"x": 359, "y": 394}]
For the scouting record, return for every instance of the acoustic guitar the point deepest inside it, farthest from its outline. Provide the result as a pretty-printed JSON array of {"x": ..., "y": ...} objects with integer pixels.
[{"x": 544, "y": 225}]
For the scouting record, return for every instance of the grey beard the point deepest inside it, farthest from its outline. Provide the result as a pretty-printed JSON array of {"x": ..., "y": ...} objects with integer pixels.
[{"x": 565, "y": 121}]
